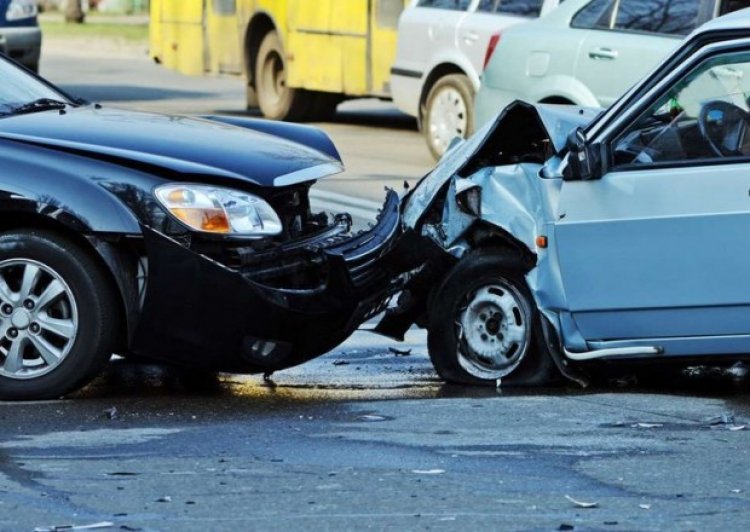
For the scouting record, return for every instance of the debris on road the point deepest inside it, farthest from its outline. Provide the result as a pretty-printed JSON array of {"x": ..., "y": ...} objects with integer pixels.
[
  {"x": 340, "y": 362},
  {"x": 372, "y": 417},
  {"x": 723, "y": 419},
  {"x": 566, "y": 526},
  {"x": 428, "y": 471},
  {"x": 647, "y": 425},
  {"x": 166, "y": 498},
  {"x": 582, "y": 504},
  {"x": 65, "y": 528},
  {"x": 400, "y": 352},
  {"x": 644, "y": 506}
]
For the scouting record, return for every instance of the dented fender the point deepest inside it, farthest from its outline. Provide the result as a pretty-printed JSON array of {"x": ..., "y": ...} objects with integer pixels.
[{"x": 517, "y": 197}]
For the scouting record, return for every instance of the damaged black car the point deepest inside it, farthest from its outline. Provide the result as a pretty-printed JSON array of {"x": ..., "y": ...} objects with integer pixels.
[{"x": 187, "y": 240}]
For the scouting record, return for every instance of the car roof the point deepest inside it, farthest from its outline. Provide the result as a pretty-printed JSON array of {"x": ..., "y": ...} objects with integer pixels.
[{"x": 737, "y": 20}]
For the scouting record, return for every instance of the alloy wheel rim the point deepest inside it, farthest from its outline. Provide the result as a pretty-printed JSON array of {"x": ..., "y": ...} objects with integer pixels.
[
  {"x": 38, "y": 319},
  {"x": 448, "y": 118},
  {"x": 493, "y": 330}
]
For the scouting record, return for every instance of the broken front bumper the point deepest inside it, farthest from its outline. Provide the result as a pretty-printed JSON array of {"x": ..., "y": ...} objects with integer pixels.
[{"x": 201, "y": 313}]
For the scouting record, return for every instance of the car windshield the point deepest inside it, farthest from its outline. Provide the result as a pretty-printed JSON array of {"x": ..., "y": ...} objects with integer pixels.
[{"x": 19, "y": 88}]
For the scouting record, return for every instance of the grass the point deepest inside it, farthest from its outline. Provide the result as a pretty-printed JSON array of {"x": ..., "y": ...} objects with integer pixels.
[{"x": 134, "y": 33}]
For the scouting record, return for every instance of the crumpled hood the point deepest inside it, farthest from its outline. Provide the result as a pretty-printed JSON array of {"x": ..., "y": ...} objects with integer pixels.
[
  {"x": 191, "y": 146},
  {"x": 557, "y": 121}
]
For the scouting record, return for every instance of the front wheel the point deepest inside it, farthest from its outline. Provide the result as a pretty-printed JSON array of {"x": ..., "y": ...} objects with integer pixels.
[
  {"x": 58, "y": 317},
  {"x": 448, "y": 112},
  {"x": 484, "y": 327}
]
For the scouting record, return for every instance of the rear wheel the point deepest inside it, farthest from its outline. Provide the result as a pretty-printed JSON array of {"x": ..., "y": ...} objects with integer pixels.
[
  {"x": 276, "y": 99},
  {"x": 58, "y": 316},
  {"x": 449, "y": 112},
  {"x": 484, "y": 325}
]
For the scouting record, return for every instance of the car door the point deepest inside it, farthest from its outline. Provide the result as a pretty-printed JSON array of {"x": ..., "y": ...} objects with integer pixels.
[
  {"x": 629, "y": 37},
  {"x": 658, "y": 247},
  {"x": 428, "y": 26},
  {"x": 488, "y": 18}
]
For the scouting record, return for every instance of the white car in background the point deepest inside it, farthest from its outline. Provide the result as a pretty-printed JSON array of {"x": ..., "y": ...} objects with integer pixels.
[
  {"x": 442, "y": 47},
  {"x": 588, "y": 52}
]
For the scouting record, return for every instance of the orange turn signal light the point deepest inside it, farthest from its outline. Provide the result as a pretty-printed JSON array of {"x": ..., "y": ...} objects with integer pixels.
[
  {"x": 541, "y": 241},
  {"x": 211, "y": 220}
]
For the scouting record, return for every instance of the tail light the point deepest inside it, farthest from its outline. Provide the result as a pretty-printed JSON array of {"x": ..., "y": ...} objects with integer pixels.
[{"x": 494, "y": 40}]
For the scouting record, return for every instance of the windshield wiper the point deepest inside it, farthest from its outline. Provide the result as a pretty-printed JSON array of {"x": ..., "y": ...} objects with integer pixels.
[{"x": 42, "y": 104}]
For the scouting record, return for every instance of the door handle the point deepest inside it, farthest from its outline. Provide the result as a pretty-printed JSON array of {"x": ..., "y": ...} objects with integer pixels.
[
  {"x": 603, "y": 53},
  {"x": 470, "y": 37}
]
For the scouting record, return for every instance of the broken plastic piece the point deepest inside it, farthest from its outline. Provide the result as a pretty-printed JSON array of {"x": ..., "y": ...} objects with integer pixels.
[{"x": 582, "y": 504}]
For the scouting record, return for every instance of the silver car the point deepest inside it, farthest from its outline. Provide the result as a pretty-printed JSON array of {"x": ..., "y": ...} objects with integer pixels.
[
  {"x": 20, "y": 36},
  {"x": 588, "y": 52},
  {"x": 557, "y": 235},
  {"x": 442, "y": 46}
]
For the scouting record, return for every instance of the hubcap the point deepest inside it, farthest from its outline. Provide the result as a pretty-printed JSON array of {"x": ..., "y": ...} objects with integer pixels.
[
  {"x": 493, "y": 330},
  {"x": 274, "y": 78},
  {"x": 38, "y": 319},
  {"x": 448, "y": 118}
]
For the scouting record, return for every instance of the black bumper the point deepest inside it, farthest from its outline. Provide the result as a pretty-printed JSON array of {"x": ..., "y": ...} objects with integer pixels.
[{"x": 201, "y": 313}]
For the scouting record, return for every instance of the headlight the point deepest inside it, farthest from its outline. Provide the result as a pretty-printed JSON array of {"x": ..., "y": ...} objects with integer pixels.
[
  {"x": 20, "y": 9},
  {"x": 219, "y": 210}
]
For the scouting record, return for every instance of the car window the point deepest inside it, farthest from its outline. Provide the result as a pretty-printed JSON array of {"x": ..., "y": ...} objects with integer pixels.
[
  {"x": 671, "y": 17},
  {"x": 704, "y": 116},
  {"x": 727, "y": 6},
  {"x": 523, "y": 8},
  {"x": 595, "y": 15},
  {"x": 456, "y": 5},
  {"x": 19, "y": 88},
  {"x": 674, "y": 17}
]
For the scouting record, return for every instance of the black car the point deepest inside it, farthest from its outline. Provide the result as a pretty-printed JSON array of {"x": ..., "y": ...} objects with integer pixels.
[{"x": 188, "y": 240}]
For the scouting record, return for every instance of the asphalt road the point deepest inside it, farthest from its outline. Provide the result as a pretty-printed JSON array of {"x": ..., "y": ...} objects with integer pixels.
[{"x": 365, "y": 437}]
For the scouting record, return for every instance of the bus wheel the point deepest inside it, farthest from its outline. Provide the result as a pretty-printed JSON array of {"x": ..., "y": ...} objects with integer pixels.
[{"x": 277, "y": 101}]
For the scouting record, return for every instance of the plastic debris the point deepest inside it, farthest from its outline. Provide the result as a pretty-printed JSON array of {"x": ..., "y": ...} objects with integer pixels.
[
  {"x": 111, "y": 413},
  {"x": 582, "y": 504},
  {"x": 723, "y": 419},
  {"x": 372, "y": 417},
  {"x": 734, "y": 428},
  {"x": 65, "y": 528},
  {"x": 166, "y": 498},
  {"x": 400, "y": 352},
  {"x": 647, "y": 425},
  {"x": 428, "y": 471},
  {"x": 644, "y": 506}
]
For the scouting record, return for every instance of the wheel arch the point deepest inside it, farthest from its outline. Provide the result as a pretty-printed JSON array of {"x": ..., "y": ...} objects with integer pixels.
[
  {"x": 109, "y": 254},
  {"x": 486, "y": 236},
  {"x": 260, "y": 24},
  {"x": 557, "y": 100}
]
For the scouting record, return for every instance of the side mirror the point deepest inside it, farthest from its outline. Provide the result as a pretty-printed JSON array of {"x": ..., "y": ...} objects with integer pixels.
[{"x": 584, "y": 161}]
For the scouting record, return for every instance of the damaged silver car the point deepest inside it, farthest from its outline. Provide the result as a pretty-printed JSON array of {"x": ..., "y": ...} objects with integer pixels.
[{"x": 556, "y": 236}]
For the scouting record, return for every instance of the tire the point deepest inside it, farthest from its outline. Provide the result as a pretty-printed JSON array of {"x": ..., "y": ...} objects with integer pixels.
[
  {"x": 448, "y": 112},
  {"x": 481, "y": 308},
  {"x": 276, "y": 100},
  {"x": 84, "y": 315}
]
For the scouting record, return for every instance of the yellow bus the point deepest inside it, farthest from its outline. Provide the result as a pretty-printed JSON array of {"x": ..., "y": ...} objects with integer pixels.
[{"x": 300, "y": 58}]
